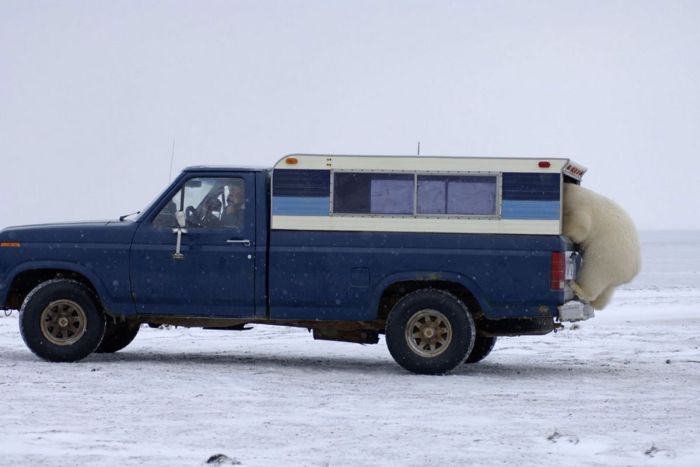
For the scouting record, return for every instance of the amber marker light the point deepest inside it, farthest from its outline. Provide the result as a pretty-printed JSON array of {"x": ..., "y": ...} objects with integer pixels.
[
  {"x": 291, "y": 160},
  {"x": 544, "y": 164},
  {"x": 10, "y": 245}
]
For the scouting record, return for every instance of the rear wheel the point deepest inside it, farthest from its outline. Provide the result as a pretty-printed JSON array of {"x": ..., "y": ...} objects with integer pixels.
[
  {"x": 61, "y": 321},
  {"x": 118, "y": 335},
  {"x": 482, "y": 347},
  {"x": 430, "y": 331}
]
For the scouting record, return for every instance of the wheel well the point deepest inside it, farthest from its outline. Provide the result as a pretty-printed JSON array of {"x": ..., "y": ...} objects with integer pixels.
[
  {"x": 394, "y": 292},
  {"x": 25, "y": 281}
]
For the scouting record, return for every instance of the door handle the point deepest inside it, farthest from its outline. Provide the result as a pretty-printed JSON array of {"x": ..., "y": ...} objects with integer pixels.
[
  {"x": 245, "y": 242},
  {"x": 179, "y": 231}
]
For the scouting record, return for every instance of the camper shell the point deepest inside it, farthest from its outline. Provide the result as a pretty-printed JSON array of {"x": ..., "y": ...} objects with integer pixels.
[{"x": 350, "y": 247}]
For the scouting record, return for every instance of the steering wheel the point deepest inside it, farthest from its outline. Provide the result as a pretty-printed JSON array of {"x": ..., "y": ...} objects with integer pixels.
[{"x": 191, "y": 217}]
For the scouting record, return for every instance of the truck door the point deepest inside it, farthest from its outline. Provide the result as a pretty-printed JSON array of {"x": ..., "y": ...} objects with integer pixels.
[{"x": 213, "y": 274}]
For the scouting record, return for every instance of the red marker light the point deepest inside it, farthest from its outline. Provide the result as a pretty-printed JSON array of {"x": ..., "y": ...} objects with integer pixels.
[{"x": 544, "y": 164}]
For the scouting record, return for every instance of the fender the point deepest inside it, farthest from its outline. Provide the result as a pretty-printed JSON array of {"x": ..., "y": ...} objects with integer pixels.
[
  {"x": 445, "y": 276},
  {"x": 102, "y": 291}
]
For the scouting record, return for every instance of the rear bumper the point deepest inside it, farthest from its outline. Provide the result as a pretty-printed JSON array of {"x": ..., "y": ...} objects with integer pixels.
[{"x": 575, "y": 311}]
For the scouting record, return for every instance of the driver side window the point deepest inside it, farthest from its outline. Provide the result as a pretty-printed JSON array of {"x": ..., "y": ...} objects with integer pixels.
[{"x": 208, "y": 202}]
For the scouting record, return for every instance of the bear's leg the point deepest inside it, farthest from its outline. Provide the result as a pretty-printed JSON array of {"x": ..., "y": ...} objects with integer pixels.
[
  {"x": 580, "y": 293},
  {"x": 604, "y": 298},
  {"x": 594, "y": 277}
]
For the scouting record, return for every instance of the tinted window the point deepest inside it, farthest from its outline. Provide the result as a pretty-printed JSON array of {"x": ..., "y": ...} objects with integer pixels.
[
  {"x": 528, "y": 186},
  {"x": 465, "y": 195},
  {"x": 305, "y": 183},
  {"x": 372, "y": 193}
]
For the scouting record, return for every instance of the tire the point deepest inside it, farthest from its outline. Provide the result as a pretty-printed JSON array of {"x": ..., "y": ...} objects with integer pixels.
[
  {"x": 447, "y": 337},
  {"x": 482, "y": 347},
  {"x": 61, "y": 320},
  {"x": 118, "y": 335}
]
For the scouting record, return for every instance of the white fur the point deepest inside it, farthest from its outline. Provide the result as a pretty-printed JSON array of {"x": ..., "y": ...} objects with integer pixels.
[{"x": 608, "y": 241}]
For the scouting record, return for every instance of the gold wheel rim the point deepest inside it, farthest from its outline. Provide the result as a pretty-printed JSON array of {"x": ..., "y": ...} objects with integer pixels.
[
  {"x": 428, "y": 333},
  {"x": 63, "y": 322}
]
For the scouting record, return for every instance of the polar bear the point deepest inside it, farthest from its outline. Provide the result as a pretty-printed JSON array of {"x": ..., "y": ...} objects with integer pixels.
[{"x": 608, "y": 241}]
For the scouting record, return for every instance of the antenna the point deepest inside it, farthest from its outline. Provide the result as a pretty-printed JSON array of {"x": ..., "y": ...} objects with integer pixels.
[
  {"x": 172, "y": 158},
  {"x": 419, "y": 148}
]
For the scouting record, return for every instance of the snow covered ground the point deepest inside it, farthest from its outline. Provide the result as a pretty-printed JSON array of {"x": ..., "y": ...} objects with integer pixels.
[{"x": 621, "y": 389}]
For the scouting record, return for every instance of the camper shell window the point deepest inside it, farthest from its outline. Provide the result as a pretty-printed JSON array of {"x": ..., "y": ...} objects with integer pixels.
[
  {"x": 470, "y": 195},
  {"x": 411, "y": 194},
  {"x": 373, "y": 193}
]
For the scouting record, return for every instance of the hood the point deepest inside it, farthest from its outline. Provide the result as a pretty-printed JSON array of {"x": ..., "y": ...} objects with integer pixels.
[{"x": 73, "y": 232}]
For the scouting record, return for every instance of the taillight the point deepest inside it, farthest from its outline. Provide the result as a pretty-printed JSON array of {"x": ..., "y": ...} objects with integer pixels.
[{"x": 558, "y": 270}]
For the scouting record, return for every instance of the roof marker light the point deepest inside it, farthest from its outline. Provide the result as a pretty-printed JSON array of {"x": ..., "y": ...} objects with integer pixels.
[
  {"x": 291, "y": 160},
  {"x": 544, "y": 164}
]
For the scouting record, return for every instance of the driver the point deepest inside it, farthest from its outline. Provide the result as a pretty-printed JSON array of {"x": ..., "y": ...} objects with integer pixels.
[{"x": 234, "y": 213}]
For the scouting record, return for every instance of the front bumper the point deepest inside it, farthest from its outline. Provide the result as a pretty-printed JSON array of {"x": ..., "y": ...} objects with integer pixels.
[{"x": 575, "y": 311}]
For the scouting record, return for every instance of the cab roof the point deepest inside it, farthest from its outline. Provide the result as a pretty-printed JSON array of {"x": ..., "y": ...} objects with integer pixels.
[{"x": 224, "y": 168}]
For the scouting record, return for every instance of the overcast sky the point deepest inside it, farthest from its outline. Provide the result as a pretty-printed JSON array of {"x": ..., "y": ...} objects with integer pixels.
[{"x": 93, "y": 93}]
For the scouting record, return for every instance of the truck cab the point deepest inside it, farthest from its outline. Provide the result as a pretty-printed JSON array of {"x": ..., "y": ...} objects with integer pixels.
[{"x": 440, "y": 254}]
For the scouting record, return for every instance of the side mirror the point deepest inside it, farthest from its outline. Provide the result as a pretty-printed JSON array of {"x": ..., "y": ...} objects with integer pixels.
[{"x": 180, "y": 216}]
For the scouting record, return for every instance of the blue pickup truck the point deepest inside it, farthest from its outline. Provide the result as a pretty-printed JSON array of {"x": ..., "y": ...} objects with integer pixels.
[{"x": 440, "y": 254}]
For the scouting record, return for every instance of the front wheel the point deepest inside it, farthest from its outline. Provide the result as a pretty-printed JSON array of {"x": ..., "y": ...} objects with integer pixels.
[
  {"x": 61, "y": 320},
  {"x": 430, "y": 331}
]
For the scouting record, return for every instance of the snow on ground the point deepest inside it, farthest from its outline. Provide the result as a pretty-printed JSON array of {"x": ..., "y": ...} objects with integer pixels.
[{"x": 621, "y": 389}]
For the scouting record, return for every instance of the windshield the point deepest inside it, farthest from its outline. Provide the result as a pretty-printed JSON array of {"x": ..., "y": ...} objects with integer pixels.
[{"x": 135, "y": 216}]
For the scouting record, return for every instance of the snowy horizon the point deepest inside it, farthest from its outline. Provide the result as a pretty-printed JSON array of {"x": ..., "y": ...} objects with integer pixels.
[{"x": 93, "y": 94}]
